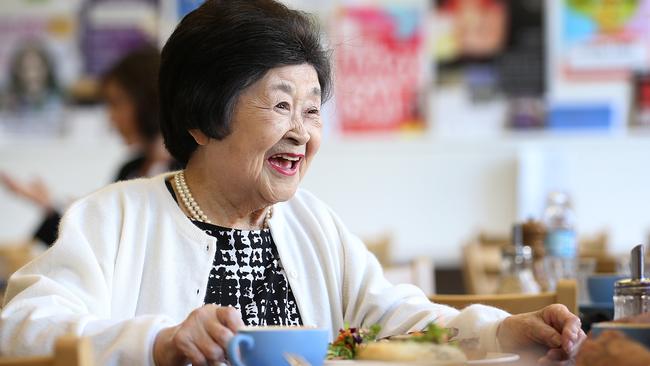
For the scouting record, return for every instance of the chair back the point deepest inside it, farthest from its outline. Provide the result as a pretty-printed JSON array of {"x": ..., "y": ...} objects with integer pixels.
[
  {"x": 381, "y": 247},
  {"x": 566, "y": 294},
  {"x": 68, "y": 351},
  {"x": 481, "y": 267},
  {"x": 418, "y": 272}
]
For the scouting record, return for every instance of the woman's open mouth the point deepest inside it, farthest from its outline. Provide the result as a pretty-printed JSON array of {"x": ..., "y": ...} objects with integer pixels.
[{"x": 286, "y": 163}]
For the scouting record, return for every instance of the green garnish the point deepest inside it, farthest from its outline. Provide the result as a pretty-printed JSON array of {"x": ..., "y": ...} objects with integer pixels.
[
  {"x": 436, "y": 334},
  {"x": 345, "y": 345}
]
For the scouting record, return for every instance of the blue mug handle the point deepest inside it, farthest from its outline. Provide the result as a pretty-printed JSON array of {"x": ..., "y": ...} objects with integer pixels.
[{"x": 234, "y": 355}]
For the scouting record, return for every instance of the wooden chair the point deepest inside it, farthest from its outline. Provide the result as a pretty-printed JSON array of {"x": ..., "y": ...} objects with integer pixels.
[
  {"x": 481, "y": 267},
  {"x": 381, "y": 247},
  {"x": 13, "y": 256},
  {"x": 418, "y": 272},
  {"x": 68, "y": 351},
  {"x": 566, "y": 294}
]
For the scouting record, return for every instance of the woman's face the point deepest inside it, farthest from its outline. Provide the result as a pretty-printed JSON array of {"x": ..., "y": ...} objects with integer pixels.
[
  {"x": 33, "y": 72},
  {"x": 121, "y": 112},
  {"x": 275, "y": 133}
]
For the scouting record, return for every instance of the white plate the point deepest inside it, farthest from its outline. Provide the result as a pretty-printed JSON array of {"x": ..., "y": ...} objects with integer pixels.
[
  {"x": 494, "y": 357},
  {"x": 490, "y": 359}
]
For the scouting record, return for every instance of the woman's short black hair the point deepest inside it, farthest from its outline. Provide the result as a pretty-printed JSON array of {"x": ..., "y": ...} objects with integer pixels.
[
  {"x": 220, "y": 49},
  {"x": 137, "y": 74}
]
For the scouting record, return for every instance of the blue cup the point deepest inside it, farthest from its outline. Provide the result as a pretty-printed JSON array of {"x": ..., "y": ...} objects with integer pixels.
[
  {"x": 601, "y": 288},
  {"x": 639, "y": 332},
  {"x": 270, "y": 346}
]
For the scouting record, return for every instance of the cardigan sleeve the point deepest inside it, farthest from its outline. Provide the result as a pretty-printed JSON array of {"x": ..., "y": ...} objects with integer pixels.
[
  {"x": 368, "y": 298},
  {"x": 68, "y": 290}
]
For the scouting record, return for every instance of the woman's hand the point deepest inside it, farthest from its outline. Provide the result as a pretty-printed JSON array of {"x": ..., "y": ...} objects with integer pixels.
[
  {"x": 554, "y": 330},
  {"x": 201, "y": 339},
  {"x": 35, "y": 191}
]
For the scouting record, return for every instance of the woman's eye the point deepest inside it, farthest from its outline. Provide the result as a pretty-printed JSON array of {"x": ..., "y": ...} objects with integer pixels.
[
  {"x": 283, "y": 105},
  {"x": 314, "y": 111}
]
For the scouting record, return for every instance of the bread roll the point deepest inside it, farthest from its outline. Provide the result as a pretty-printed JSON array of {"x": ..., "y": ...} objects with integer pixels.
[{"x": 422, "y": 353}]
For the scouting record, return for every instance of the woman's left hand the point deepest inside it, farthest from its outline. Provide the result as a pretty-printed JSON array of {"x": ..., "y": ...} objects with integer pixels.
[{"x": 553, "y": 332}]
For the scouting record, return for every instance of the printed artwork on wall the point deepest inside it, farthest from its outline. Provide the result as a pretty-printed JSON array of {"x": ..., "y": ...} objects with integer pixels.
[
  {"x": 380, "y": 69},
  {"x": 38, "y": 60},
  {"x": 604, "y": 38}
]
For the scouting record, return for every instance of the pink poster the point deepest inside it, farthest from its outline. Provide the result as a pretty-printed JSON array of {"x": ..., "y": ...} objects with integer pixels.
[{"x": 380, "y": 69}]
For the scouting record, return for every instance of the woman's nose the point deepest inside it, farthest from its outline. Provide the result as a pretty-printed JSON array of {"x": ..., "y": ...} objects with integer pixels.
[{"x": 299, "y": 133}]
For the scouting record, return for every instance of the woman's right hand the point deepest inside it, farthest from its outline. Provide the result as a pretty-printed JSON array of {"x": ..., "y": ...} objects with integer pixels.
[
  {"x": 35, "y": 191},
  {"x": 201, "y": 339}
]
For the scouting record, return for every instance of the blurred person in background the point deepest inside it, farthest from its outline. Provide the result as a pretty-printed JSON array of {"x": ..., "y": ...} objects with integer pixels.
[{"x": 130, "y": 89}]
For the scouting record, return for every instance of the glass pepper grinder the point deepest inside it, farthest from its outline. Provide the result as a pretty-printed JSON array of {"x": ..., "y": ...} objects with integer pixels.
[{"x": 632, "y": 296}]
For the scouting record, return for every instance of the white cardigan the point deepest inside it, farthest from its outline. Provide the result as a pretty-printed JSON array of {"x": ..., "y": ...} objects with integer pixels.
[{"x": 128, "y": 262}]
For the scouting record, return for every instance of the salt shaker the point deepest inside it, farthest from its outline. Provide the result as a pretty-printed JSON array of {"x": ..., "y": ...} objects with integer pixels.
[
  {"x": 632, "y": 296},
  {"x": 517, "y": 273}
]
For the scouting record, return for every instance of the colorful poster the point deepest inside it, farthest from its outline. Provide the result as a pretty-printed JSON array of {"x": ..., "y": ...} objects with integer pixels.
[
  {"x": 112, "y": 28},
  {"x": 380, "y": 69},
  {"x": 38, "y": 61},
  {"x": 469, "y": 28},
  {"x": 494, "y": 47},
  {"x": 605, "y": 38}
]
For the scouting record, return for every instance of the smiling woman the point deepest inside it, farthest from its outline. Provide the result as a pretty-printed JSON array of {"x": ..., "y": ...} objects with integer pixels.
[
  {"x": 275, "y": 131},
  {"x": 165, "y": 270}
]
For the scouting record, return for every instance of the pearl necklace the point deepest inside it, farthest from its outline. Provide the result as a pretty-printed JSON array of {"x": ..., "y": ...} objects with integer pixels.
[{"x": 193, "y": 207}]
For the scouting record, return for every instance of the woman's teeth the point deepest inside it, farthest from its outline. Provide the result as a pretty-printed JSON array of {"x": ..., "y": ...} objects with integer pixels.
[
  {"x": 285, "y": 161},
  {"x": 287, "y": 157}
]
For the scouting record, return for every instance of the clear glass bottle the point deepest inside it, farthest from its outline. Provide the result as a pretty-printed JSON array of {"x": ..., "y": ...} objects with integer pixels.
[
  {"x": 517, "y": 267},
  {"x": 561, "y": 243}
]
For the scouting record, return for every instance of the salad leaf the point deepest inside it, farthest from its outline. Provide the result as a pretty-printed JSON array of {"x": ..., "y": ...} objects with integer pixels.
[{"x": 345, "y": 345}]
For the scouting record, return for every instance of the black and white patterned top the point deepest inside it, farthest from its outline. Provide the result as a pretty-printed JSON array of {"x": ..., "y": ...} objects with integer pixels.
[{"x": 247, "y": 274}]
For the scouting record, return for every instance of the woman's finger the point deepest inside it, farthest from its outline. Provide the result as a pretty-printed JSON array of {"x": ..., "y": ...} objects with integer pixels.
[
  {"x": 558, "y": 316},
  {"x": 220, "y": 335},
  {"x": 564, "y": 322},
  {"x": 211, "y": 350},
  {"x": 557, "y": 354},
  {"x": 186, "y": 345},
  {"x": 230, "y": 318},
  {"x": 544, "y": 334},
  {"x": 554, "y": 357}
]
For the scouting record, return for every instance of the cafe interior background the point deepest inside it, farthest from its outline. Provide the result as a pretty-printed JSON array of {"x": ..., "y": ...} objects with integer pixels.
[{"x": 451, "y": 121}]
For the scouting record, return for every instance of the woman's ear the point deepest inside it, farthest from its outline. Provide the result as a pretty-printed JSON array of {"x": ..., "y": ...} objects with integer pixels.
[{"x": 199, "y": 136}]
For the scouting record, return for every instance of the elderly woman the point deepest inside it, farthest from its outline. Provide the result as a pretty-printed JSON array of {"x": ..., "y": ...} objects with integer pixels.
[{"x": 164, "y": 270}]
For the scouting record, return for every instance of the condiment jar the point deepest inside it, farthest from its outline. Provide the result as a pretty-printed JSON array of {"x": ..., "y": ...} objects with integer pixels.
[
  {"x": 516, "y": 273},
  {"x": 632, "y": 296}
]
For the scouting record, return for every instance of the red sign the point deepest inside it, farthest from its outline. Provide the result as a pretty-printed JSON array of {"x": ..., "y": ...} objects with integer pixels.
[{"x": 380, "y": 69}]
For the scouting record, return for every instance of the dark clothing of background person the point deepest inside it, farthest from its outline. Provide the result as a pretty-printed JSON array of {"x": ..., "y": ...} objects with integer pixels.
[{"x": 48, "y": 230}]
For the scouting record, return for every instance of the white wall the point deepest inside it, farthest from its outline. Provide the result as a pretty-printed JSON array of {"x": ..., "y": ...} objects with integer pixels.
[{"x": 431, "y": 193}]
